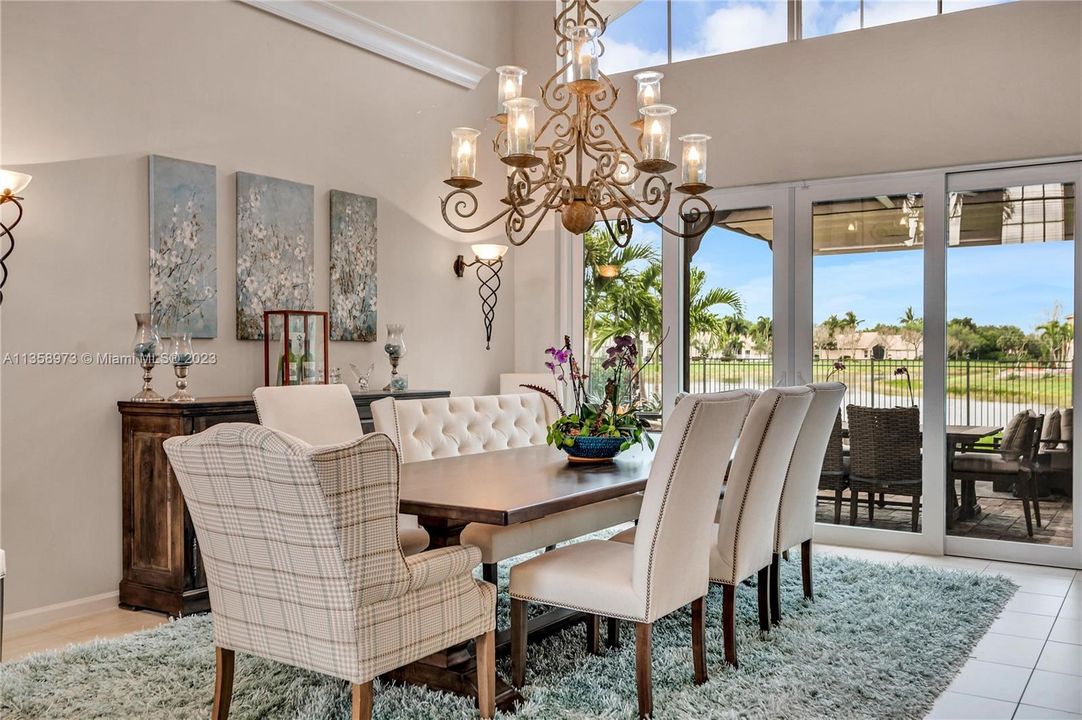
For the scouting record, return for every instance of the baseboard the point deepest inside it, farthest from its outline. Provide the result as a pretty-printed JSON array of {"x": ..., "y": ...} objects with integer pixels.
[{"x": 48, "y": 614}]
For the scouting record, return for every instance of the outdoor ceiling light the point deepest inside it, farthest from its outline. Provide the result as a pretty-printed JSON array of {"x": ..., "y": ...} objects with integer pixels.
[
  {"x": 488, "y": 259},
  {"x": 11, "y": 184}
]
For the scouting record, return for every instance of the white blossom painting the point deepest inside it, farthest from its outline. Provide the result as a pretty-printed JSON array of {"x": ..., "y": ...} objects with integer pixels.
[
  {"x": 353, "y": 267},
  {"x": 183, "y": 246},
  {"x": 275, "y": 250}
]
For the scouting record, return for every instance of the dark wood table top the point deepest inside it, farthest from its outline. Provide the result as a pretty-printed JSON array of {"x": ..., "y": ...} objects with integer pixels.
[{"x": 514, "y": 486}]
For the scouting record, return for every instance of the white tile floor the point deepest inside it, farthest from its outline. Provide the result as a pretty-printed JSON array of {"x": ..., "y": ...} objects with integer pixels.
[{"x": 1029, "y": 665}]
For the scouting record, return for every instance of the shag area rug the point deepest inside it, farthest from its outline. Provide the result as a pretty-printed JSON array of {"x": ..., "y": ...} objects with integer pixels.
[{"x": 879, "y": 641}]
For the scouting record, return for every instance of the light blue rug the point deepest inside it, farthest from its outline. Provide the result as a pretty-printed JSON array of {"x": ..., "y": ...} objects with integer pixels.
[{"x": 880, "y": 641}]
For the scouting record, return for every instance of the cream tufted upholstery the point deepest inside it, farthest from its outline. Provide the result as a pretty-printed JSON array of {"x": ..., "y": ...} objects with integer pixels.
[
  {"x": 325, "y": 415},
  {"x": 666, "y": 567},
  {"x": 433, "y": 428},
  {"x": 749, "y": 513},
  {"x": 796, "y": 514}
]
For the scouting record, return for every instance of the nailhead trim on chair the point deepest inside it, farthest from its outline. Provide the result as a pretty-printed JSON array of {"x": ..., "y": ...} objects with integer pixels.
[
  {"x": 593, "y": 611},
  {"x": 747, "y": 486}
]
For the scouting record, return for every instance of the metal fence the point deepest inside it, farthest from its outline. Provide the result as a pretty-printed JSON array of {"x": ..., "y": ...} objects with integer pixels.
[{"x": 979, "y": 392}]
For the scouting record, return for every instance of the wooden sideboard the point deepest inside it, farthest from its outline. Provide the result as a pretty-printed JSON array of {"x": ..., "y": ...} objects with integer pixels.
[{"x": 162, "y": 567}]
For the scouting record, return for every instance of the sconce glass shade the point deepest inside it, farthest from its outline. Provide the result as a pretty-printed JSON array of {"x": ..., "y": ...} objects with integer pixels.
[
  {"x": 648, "y": 88},
  {"x": 694, "y": 172},
  {"x": 582, "y": 72},
  {"x": 13, "y": 183},
  {"x": 656, "y": 133},
  {"x": 509, "y": 86},
  {"x": 464, "y": 152},
  {"x": 520, "y": 129},
  {"x": 488, "y": 252}
]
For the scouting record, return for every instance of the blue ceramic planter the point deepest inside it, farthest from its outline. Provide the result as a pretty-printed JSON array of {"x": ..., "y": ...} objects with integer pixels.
[{"x": 594, "y": 449}]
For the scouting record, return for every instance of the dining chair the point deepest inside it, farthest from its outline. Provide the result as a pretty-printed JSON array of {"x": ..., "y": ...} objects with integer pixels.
[
  {"x": 1015, "y": 461},
  {"x": 430, "y": 428},
  {"x": 743, "y": 538},
  {"x": 303, "y": 566},
  {"x": 884, "y": 457},
  {"x": 834, "y": 474},
  {"x": 666, "y": 566},
  {"x": 1055, "y": 466},
  {"x": 796, "y": 510},
  {"x": 325, "y": 415}
]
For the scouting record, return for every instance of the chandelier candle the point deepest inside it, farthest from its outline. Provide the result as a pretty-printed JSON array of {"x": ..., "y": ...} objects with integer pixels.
[
  {"x": 520, "y": 131},
  {"x": 509, "y": 87},
  {"x": 574, "y": 160},
  {"x": 464, "y": 157},
  {"x": 694, "y": 173}
]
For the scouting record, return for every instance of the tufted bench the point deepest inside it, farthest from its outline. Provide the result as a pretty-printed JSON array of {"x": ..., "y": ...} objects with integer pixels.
[{"x": 431, "y": 428}]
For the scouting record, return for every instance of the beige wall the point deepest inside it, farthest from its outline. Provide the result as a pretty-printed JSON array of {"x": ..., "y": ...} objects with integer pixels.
[
  {"x": 998, "y": 83},
  {"x": 89, "y": 89}
]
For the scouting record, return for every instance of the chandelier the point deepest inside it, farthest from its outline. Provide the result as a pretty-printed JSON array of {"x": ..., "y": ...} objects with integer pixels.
[{"x": 578, "y": 163}]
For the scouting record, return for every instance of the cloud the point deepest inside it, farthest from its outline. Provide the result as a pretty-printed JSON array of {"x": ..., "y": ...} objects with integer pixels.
[
  {"x": 620, "y": 56},
  {"x": 737, "y": 27}
]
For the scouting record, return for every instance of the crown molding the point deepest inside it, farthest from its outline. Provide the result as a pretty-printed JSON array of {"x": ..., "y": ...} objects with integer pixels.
[{"x": 359, "y": 31}]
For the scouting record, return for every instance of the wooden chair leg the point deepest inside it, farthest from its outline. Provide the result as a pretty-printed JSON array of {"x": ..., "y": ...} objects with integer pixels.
[
  {"x": 490, "y": 572},
  {"x": 519, "y": 631},
  {"x": 486, "y": 674},
  {"x": 698, "y": 638},
  {"x": 613, "y": 639},
  {"x": 764, "y": 599},
  {"x": 1025, "y": 495},
  {"x": 362, "y": 701},
  {"x": 853, "y": 500},
  {"x": 915, "y": 520},
  {"x": 806, "y": 568},
  {"x": 644, "y": 669},
  {"x": 593, "y": 634},
  {"x": 775, "y": 590},
  {"x": 728, "y": 624},
  {"x": 882, "y": 499},
  {"x": 223, "y": 683},
  {"x": 838, "y": 505},
  {"x": 871, "y": 508}
]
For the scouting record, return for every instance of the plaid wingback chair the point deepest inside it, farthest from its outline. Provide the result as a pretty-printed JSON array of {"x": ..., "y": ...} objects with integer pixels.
[{"x": 304, "y": 566}]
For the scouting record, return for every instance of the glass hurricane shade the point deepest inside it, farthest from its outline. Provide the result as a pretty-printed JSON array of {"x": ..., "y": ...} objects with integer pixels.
[
  {"x": 488, "y": 252},
  {"x": 181, "y": 352},
  {"x": 509, "y": 85},
  {"x": 520, "y": 126},
  {"x": 13, "y": 183},
  {"x": 624, "y": 174},
  {"x": 657, "y": 130},
  {"x": 648, "y": 88},
  {"x": 464, "y": 152},
  {"x": 584, "y": 54},
  {"x": 146, "y": 341},
  {"x": 694, "y": 170}
]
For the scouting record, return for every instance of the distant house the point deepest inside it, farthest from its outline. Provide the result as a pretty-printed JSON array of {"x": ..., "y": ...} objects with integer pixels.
[{"x": 873, "y": 345}]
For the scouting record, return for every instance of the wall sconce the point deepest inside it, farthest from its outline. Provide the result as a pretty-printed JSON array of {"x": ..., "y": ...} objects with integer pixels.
[
  {"x": 489, "y": 261},
  {"x": 11, "y": 184}
]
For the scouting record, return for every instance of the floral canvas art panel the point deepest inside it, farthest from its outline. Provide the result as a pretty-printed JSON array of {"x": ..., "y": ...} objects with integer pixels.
[
  {"x": 183, "y": 246},
  {"x": 275, "y": 249},
  {"x": 353, "y": 267}
]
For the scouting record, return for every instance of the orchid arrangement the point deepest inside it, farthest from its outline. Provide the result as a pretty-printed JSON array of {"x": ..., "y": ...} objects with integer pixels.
[{"x": 614, "y": 414}]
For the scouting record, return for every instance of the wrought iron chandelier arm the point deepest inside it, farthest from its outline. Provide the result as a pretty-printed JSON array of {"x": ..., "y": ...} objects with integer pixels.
[{"x": 465, "y": 208}]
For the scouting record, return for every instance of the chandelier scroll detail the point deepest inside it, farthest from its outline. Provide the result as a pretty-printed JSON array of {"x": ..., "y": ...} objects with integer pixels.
[{"x": 578, "y": 162}]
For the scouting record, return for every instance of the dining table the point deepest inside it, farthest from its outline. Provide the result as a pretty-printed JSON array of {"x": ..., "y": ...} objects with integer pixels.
[
  {"x": 964, "y": 505},
  {"x": 504, "y": 487}
]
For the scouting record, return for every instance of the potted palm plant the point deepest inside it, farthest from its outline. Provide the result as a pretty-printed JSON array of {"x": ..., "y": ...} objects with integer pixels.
[{"x": 598, "y": 428}]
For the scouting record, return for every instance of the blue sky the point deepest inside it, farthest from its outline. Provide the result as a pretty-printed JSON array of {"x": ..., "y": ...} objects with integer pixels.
[
  {"x": 995, "y": 285},
  {"x": 638, "y": 38}
]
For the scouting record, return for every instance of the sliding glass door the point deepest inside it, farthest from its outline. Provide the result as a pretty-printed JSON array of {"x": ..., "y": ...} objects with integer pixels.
[
  {"x": 861, "y": 300},
  {"x": 1012, "y": 297}
]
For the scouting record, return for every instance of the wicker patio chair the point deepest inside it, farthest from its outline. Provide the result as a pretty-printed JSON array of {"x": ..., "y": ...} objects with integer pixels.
[
  {"x": 884, "y": 456},
  {"x": 834, "y": 475},
  {"x": 1016, "y": 458}
]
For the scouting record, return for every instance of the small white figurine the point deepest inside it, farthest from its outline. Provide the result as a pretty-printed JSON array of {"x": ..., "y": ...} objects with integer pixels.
[{"x": 362, "y": 378}]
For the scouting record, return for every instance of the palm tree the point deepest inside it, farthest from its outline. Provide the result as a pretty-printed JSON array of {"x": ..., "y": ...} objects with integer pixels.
[
  {"x": 606, "y": 267},
  {"x": 850, "y": 323},
  {"x": 762, "y": 334},
  {"x": 1057, "y": 336}
]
